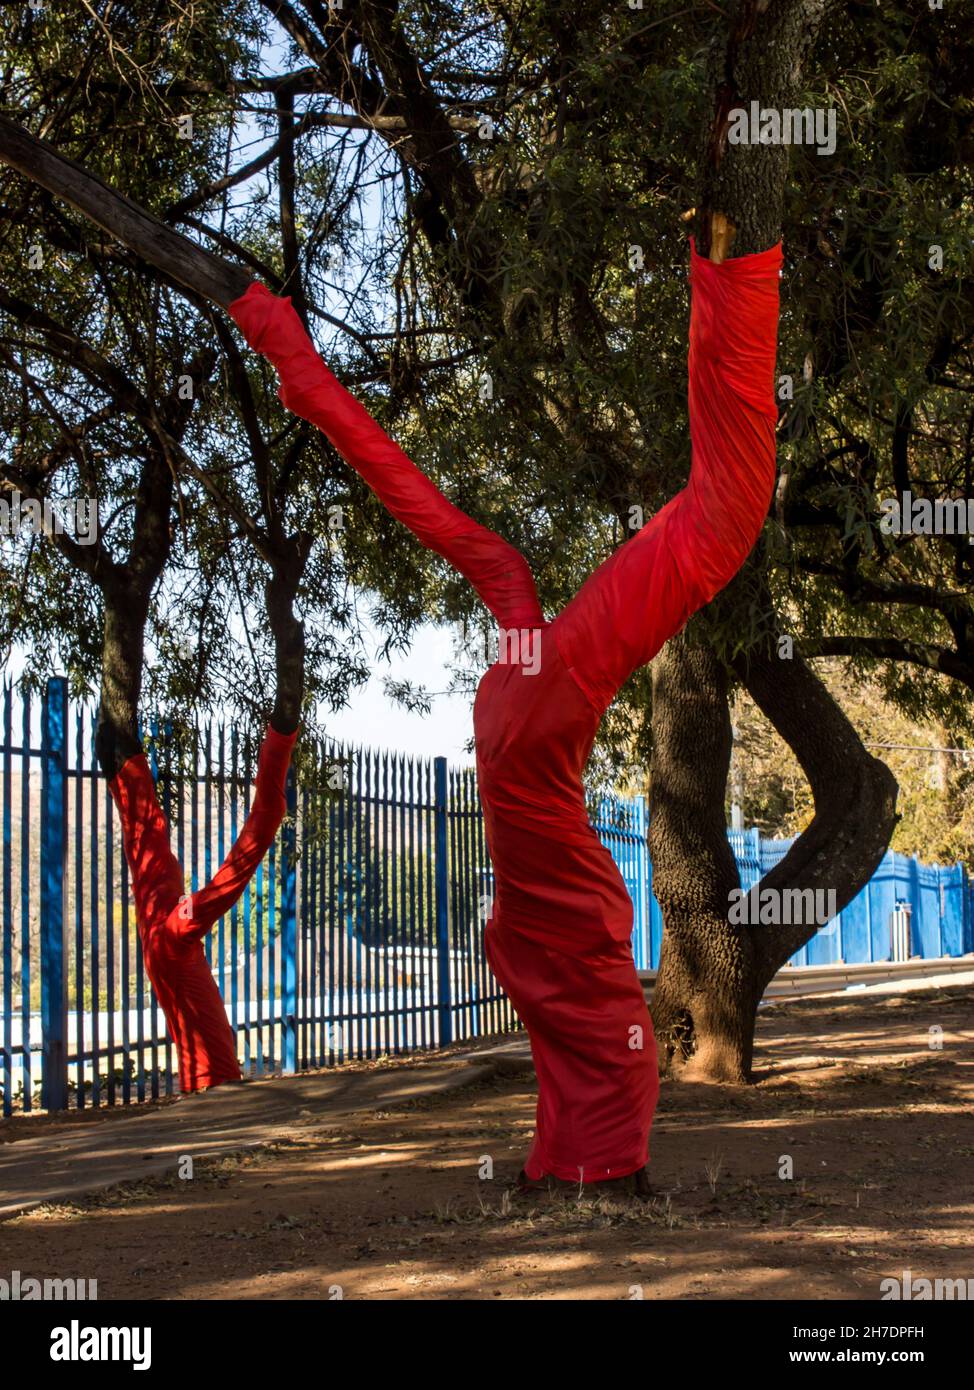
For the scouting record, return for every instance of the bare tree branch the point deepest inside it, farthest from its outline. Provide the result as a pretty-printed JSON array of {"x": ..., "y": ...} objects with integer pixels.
[{"x": 150, "y": 238}]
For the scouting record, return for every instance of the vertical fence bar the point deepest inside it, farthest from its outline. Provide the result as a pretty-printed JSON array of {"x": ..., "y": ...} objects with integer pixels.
[
  {"x": 380, "y": 943},
  {"x": 481, "y": 981},
  {"x": 461, "y": 925},
  {"x": 160, "y": 776},
  {"x": 418, "y": 955},
  {"x": 426, "y": 904},
  {"x": 289, "y": 929},
  {"x": 428, "y": 922},
  {"x": 442, "y": 905},
  {"x": 273, "y": 948},
  {"x": 185, "y": 754},
  {"x": 309, "y": 918},
  {"x": 26, "y": 974},
  {"x": 245, "y": 966},
  {"x": 470, "y": 947},
  {"x": 311, "y": 915},
  {"x": 340, "y": 925},
  {"x": 386, "y": 895},
  {"x": 330, "y": 1038},
  {"x": 234, "y": 933},
  {"x": 306, "y": 1023},
  {"x": 454, "y": 830},
  {"x": 95, "y": 966},
  {"x": 110, "y": 971},
  {"x": 356, "y": 968},
  {"x": 407, "y": 866},
  {"x": 336, "y": 901},
  {"x": 322, "y": 851},
  {"x": 195, "y": 777},
  {"x": 259, "y": 973},
  {"x": 80, "y": 1012},
  {"x": 368, "y": 996},
  {"x": 493, "y": 1012},
  {"x": 54, "y": 815},
  {"x": 207, "y": 870},
  {"x": 221, "y": 930},
  {"x": 415, "y": 860},
  {"x": 374, "y": 915},
  {"x": 6, "y": 908}
]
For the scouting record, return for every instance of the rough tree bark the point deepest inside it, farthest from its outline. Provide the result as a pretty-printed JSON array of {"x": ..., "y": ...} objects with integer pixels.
[
  {"x": 703, "y": 1005},
  {"x": 854, "y": 795},
  {"x": 126, "y": 591},
  {"x": 761, "y": 58},
  {"x": 712, "y": 972}
]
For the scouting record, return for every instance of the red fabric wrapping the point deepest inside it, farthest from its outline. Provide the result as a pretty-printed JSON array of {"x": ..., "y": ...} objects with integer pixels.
[
  {"x": 258, "y": 831},
  {"x": 172, "y": 923},
  {"x": 559, "y": 940},
  {"x": 497, "y": 571}
]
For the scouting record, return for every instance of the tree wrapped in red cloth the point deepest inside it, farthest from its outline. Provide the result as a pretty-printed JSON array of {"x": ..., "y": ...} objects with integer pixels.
[
  {"x": 172, "y": 923},
  {"x": 559, "y": 937}
]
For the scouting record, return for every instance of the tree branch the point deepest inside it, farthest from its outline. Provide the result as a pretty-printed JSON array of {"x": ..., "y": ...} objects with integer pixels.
[
  {"x": 933, "y": 658},
  {"x": 150, "y": 238}
]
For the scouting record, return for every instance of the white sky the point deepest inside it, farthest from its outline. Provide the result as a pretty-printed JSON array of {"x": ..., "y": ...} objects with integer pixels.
[{"x": 373, "y": 720}]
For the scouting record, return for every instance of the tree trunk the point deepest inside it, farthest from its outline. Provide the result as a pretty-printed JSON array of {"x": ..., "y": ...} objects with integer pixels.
[
  {"x": 126, "y": 593},
  {"x": 704, "y": 1002},
  {"x": 713, "y": 973},
  {"x": 123, "y": 647},
  {"x": 742, "y": 186},
  {"x": 854, "y": 793},
  {"x": 710, "y": 979}
]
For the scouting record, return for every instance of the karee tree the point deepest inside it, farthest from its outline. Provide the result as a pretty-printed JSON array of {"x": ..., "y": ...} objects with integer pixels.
[{"x": 534, "y": 174}]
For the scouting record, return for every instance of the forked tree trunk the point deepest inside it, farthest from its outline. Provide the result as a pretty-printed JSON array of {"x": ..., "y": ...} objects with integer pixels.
[
  {"x": 712, "y": 973},
  {"x": 703, "y": 1005},
  {"x": 854, "y": 795}
]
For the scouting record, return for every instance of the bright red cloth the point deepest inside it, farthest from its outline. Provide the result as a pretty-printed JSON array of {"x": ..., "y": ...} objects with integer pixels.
[
  {"x": 559, "y": 939},
  {"x": 172, "y": 923}
]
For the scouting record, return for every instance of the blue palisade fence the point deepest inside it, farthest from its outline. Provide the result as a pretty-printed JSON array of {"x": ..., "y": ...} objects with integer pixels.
[{"x": 362, "y": 933}]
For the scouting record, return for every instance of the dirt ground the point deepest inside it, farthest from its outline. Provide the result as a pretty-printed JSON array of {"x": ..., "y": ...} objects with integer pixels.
[{"x": 391, "y": 1205}]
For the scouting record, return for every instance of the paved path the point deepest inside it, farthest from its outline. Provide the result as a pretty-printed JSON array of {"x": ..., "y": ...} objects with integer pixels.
[{"x": 65, "y": 1160}]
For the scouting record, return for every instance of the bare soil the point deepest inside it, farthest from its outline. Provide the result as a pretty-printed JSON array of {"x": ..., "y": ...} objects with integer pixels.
[{"x": 874, "y": 1117}]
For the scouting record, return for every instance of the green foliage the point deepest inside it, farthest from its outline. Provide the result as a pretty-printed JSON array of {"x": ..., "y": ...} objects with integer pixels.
[
  {"x": 548, "y": 262},
  {"x": 932, "y": 762},
  {"x": 71, "y": 427}
]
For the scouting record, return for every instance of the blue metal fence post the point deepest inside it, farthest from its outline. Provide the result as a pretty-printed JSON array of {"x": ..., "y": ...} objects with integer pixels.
[
  {"x": 444, "y": 997},
  {"x": 917, "y": 922},
  {"x": 289, "y": 929},
  {"x": 53, "y": 943}
]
